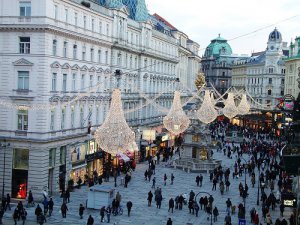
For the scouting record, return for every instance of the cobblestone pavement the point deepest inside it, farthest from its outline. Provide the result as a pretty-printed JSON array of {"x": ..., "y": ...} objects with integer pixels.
[{"x": 142, "y": 214}]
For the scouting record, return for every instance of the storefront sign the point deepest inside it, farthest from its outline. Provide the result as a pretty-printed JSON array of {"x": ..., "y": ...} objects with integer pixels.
[
  {"x": 149, "y": 135},
  {"x": 289, "y": 203}
]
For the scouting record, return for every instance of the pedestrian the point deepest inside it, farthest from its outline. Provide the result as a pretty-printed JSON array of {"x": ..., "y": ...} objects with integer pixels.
[
  {"x": 38, "y": 211},
  {"x": 23, "y": 216},
  {"x": 41, "y": 219},
  {"x": 102, "y": 213},
  {"x": 81, "y": 210},
  {"x": 68, "y": 195},
  {"x": 108, "y": 212},
  {"x": 198, "y": 180},
  {"x": 281, "y": 209},
  {"x": 228, "y": 206},
  {"x": 214, "y": 184},
  {"x": 129, "y": 206},
  {"x": 7, "y": 202},
  {"x": 171, "y": 205},
  {"x": 191, "y": 206},
  {"x": 192, "y": 195},
  {"x": 153, "y": 182},
  {"x": 158, "y": 200},
  {"x": 268, "y": 219},
  {"x": 227, "y": 219},
  {"x": 118, "y": 197},
  {"x": 90, "y": 220},
  {"x": 256, "y": 219},
  {"x": 196, "y": 207},
  {"x": 165, "y": 179},
  {"x": 16, "y": 216},
  {"x": 64, "y": 209},
  {"x": 50, "y": 206},
  {"x": 215, "y": 213},
  {"x": 30, "y": 198},
  {"x": 169, "y": 222},
  {"x": 150, "y": 196},
  {"x": 46, "y": 206},
  {"x": 201, "y": 179},
  {"x": 172, "y": 178},
  {"x": 146, "y": 175}
]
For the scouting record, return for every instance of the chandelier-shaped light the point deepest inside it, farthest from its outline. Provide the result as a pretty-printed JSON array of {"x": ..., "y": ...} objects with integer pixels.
[
  {"x": 230, "y": 110},
  {"x": 114, "y": 135},
  {"x": 244, "y": 106},
  {"x": 207, "y": 112},
  {"x": 176, "y": 121}
]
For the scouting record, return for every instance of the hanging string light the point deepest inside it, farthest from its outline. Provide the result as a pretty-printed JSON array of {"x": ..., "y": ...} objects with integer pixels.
[
  {"x": 244, "y": 106},
  {"x": 114, "y": 135},
  {"x": 230, "y": 110},
  {"x": 176, "y": 121},
  {"x": 207, "y": 112}
]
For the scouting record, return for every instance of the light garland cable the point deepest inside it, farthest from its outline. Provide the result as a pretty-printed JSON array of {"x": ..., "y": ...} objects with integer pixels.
[
  {"x": 207, "y": 112},
  {"x": 230, "y": 109},
  {"x": 114, "y": 135},
  {"x": 176, "y": 121}
]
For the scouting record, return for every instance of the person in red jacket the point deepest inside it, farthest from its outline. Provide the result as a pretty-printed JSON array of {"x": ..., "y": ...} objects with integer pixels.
[{"x": 256, "y": 219}]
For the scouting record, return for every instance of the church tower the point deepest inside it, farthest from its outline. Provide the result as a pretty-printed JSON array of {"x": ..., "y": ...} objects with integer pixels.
[{"x": 274, "y": 49}]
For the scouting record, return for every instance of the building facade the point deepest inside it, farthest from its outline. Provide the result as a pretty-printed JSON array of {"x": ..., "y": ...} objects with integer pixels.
[
  {"x": 262, "y": 74},
  {"x": 292, "y": 75},
  {"x": 58, "y": 60},
  {"x": 216, "y": 64}
]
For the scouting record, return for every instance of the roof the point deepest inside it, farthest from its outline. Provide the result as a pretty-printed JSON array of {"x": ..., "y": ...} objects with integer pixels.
[
  {"x": 218, "y": 46},
  {"x": 161, "y": 19}
]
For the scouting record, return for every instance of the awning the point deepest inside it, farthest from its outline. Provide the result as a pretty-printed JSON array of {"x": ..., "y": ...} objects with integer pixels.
[
  {"x": 123, "y": 156},
  {"x": 79, "y": 166}
]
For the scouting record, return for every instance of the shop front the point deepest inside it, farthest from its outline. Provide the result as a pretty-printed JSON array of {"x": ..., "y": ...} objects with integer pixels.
[
  {"x": 78, "y": 154},
  {"x": 94, "y": 159},
  {"x": 20, "y": 173}
]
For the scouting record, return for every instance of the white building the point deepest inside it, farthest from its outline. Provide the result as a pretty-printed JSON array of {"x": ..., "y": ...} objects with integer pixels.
[
  {"x": 262, "y": 74},
  {"x": 53, "y": 51}
]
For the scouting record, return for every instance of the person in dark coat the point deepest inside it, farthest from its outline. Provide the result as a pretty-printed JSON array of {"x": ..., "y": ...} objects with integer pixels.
[
  {"x": 108, "y": 213},
  {"x": 50, "y": 206},
  {"x": 169, "y": 222},
  {"x": 171, "y": 205},
  {"x": 150, "y": 196},
  {"x": 7, "y": 202},
  {"x": 90, "y": 221},
  {"x": 129, "y": 206},
  {"x": 198, "y": 180},
  {"x": 41, "y": 219},
  {"x": 215, "y": 213},
  {"x": 16, "y": 216},
  {"x": 102, "y": 213},
  {"x": 68, "y": 195},
  {"x": 38, "y": 211},
  {"x": 81, "y": 210},
  {"x": 23, "y": 215},
  {"x": 64, "y": 209}
]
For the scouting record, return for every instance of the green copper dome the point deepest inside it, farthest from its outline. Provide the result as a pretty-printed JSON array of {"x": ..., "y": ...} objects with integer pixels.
[{"x": 217, "y": 47}]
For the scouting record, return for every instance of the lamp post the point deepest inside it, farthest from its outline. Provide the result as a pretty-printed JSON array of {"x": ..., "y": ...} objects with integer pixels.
[
  {"x": 4, "y": 146},
  {"x": 211, "y": 207}
]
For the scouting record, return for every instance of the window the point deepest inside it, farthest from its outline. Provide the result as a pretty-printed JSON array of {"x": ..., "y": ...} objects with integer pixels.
[
  {"x": 54, "y": 47},
  {"x": 63, "y": 118},
  {"x": 81, "y": 116},
  {"x": 270, "y": 80},
  {"x": 269, "y": 92},
  {"x": 82, "y": 82},
  {"x": 99, "y": 56},
  {"x": 66, "y": 15},
  {"x": 91, "y": 80},
  {"x": 74, "y": 51},
  {"x": 23, "y": 80},
  {"x": 196, "y": 138},
  {"x": 64, "y": 83},
  {"x": 92, "y": 54},
  {"x": 25, "y": 45},
  {"x": 93, "y": 24},
  {"x": 76, "y": 18},
  {"x": 100, "y": 27},
  {"x": 97, "y": 114},
  {"x": 65, "y": 49},
  {"x": 119, "y": 59},
  {"x": 106, "y": 57},
  {"x": 271, "y": 70},
  {"x": 21, "y": 159},
  {"x": 52, "y": 156},
  {"x": 25, "y": 8},
  {"x": 23, "y": 120},
  {"x": 107, "y": 29},
  {"x": 62, "y": 155},
  {"x": 54, "y": 81},
  {"x": 74, "y": 82},
  {"x": 55, "y": 12},
  {"x": 52, "y": 119},
  {"x": 83, "y": 52},
  {"x": 282, "y": 81},
  {"x": 98, "y": 83},
  {"x": 72, "y": 116},
  {"x": 84, "y": 22}
]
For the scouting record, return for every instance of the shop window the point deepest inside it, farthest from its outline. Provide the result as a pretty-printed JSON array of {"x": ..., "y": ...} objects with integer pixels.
[
  {"x": 196, "y": 138},
  {"x": 52, "y": 154},
  {"x": 20, "y": 160}
]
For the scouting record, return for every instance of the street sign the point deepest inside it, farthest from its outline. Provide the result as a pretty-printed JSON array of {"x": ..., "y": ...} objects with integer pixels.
[{"x": 242, "y": 222}]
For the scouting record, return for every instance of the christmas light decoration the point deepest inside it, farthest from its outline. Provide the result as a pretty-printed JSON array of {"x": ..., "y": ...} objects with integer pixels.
[
  {"x": 114, "y": 135},
  {"x": 207, "y": 112},
  {"x": 244, "y": 106},
  {"x": 176, "y": 121},
  {"x": 200, "y": 81},
  {"x": 230, "y": 110}
]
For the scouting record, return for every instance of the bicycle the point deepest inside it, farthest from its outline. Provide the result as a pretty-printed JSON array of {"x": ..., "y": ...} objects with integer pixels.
[{"x": 118, "y": 211}]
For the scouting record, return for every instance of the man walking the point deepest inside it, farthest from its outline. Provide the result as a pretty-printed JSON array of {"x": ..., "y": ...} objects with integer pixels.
[
  {"x": 150, "y": 196},
  {"x": 201, "y": 179},
  {"x": 64, "y": 209},
  {"x": 81, "y": 210},
  {"x": 171, "y": 205},
  {"x": 172, "y": 178},
  {"x": 90, "y": 220},
  {"x": 50, "y": 206},
  {"x": 129, "y": 206}
]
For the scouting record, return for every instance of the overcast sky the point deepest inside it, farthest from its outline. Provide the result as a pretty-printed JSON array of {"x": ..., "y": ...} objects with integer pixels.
[{"x": 203, "y": 20}]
